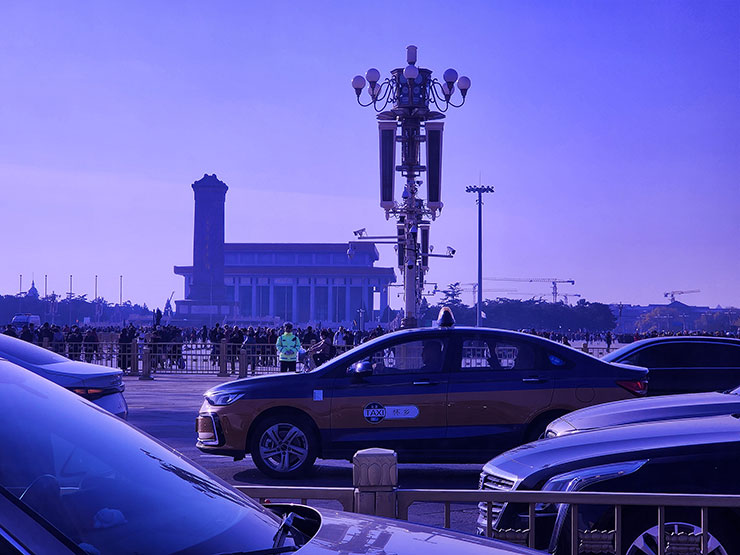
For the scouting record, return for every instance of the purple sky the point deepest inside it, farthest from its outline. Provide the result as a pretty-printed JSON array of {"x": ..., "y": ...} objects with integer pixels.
[{"x": 610, "y": 130}]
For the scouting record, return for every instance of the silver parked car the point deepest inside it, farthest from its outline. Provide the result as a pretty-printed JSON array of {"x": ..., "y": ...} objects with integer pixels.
[
  {"x": 99, "y": 384},
  {"x": 74, "y": 479}
]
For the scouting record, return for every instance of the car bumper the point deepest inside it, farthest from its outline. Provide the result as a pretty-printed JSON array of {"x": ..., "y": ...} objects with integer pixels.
[{"x": 115, "y": 403}]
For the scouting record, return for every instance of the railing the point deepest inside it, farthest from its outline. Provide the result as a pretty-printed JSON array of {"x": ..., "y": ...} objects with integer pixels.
[
  {"x": 146, "y": 357},
  {"x": 580, "y": 541},
  {"x": 224, "y": 358}
]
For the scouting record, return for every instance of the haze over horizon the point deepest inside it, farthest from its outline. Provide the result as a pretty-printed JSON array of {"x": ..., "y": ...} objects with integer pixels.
[{"x": 610, "y": 132}]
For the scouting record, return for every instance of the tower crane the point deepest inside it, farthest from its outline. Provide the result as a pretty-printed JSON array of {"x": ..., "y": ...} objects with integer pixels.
[
  {"x": 553, "y": 281},
  {"x": 673, "y": 294},
  {"x": 473, "y": 288}
]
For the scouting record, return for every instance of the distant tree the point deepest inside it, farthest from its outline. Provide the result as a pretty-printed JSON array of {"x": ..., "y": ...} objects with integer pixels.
[
  {"x": 714, "y": 321},
  {"x": 451, "y": 296},
  {"x": 661, "y": 318}
]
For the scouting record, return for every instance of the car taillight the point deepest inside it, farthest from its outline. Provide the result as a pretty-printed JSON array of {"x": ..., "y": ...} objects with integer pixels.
[
  {"x": 93, "y": 393},
  {"x": 636, "y": 387}
]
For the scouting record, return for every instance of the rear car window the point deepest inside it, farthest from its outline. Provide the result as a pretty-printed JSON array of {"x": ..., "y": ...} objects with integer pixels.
[{"x": 497, "y": 354}]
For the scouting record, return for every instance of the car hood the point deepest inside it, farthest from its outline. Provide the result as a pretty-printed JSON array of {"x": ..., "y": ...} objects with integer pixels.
[
  {"x": 621, "y": 443},
  {"x": 274, "y": 382},
  {"x": 76, "y": 373},
  {"x": 354, "y": 533},
  {"x": 632, "y": 411}
]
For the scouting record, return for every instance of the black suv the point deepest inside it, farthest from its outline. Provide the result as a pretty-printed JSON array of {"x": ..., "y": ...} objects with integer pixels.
[{"x": 678, "y": 456}]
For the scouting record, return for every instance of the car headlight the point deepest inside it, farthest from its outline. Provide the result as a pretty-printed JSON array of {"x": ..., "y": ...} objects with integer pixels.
[
  {"x": 221, "y": 399},
  {"x": 579, "y": 479},
  {"x": 576, "y": 481}
]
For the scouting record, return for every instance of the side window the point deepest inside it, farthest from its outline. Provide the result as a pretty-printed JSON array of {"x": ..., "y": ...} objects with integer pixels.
[
  {"x": 655, "y": 356},
  {"x": 412, "y": 357},
  {"x": 497, "y": 354},
  {"x": 716, "y": 355}
]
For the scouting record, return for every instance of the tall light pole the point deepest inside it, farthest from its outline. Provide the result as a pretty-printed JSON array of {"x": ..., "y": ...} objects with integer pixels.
[
  {"x": 480, "y": 189},
  {"x": 410, "y": 93}
]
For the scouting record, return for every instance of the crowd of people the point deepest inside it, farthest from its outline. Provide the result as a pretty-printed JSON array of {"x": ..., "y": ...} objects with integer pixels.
[
  {"x": 315, "y": 345},
  {"x": 165, "y": 342}
]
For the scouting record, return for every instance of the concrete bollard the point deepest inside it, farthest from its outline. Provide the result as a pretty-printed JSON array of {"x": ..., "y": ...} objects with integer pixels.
[
  {"x": 375, "y": 478},
  {"x": 242, "y": 363},
  {"x": 146, "y": 364},
  {"x": 222, "y": 359}
]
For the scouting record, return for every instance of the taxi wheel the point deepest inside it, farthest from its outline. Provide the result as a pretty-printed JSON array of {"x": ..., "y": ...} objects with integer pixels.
[{"x": 284, "y": 446}]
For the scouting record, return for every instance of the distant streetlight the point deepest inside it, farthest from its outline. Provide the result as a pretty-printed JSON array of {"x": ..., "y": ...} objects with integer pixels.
[{"x": 480, "y": 189}]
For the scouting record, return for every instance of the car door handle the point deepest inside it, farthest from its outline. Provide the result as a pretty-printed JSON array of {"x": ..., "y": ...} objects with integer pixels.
[
  {"x": 426, "y": 383},
  {"x": 533, "y": 380}
]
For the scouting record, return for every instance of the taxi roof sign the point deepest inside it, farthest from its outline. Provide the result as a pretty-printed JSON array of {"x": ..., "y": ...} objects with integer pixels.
[{"x": 445, "y": 318}]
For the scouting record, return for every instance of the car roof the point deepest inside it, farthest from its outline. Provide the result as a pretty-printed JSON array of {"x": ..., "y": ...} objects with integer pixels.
[{"x": 686, "y": 338}]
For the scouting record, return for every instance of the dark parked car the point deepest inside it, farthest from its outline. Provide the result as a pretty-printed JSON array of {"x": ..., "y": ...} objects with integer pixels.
[
  {"x": 447, "y": 395},
  {"x": 633, "y": 411},
  {"x": 684, "y": 364},
  {"x": 74, "y": 479},
  {"x": 99, "y": 384},
  {"x": 696, "y": 455}
]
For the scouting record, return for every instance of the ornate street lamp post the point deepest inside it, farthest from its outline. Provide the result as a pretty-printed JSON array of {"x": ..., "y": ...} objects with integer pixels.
[{"x": 410, "y": 93}]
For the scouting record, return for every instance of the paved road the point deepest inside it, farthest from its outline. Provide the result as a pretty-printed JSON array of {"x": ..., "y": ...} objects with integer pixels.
[{"x": 166, "y": 408}]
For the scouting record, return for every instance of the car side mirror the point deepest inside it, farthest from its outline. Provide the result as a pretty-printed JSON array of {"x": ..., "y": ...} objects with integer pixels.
[{"x": 360, "y": 369}]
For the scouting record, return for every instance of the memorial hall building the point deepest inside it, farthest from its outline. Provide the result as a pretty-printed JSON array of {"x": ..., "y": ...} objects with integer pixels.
[{"x": 268, "y": 283}]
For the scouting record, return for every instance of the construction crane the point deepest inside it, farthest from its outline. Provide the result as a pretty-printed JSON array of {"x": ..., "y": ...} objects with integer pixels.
[
  {"x": 553, "y": 281},
  {"x": 672, "y": 294},
  {"x": 473, "y": 288},
  {"x": 566, "y": 295}
]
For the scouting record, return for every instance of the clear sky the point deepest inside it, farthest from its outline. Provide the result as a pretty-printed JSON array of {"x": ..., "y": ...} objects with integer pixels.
[{"x": 610, "y": 130}]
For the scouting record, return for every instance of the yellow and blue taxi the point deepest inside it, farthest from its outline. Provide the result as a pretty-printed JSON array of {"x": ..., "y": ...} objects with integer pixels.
[{"x": 447, "y": 394}]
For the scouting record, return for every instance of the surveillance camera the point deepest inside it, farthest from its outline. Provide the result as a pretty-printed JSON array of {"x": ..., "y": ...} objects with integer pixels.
[
  {"x": 410, "y": 266},
  {"x": 359, "y": 232},
  {"x": 451, "y": 251}
]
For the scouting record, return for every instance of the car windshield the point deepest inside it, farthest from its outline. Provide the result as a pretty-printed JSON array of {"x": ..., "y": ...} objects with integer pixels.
[
  {"x": 108, "y": 487},
  {"x": 17, "y": 349}
]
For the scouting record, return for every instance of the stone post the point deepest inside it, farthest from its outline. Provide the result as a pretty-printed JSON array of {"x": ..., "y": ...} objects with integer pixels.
[
  {"x": 242, "y": 363},
  {"x": 146, "y": 363},
  {"x": 375, "y": 478},
  {"x": 222, "y": 359},
  {"x": 133, "y": 357}
]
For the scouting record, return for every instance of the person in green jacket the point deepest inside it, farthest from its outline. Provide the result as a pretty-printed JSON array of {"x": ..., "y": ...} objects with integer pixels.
[{"x": 287, "y": 346}]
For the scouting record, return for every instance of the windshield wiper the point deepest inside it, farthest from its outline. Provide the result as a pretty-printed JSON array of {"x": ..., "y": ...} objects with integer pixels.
[{"x": 287, "y": 528}]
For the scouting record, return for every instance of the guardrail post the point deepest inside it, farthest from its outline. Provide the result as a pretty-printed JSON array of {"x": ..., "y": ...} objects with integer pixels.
[
  {"x": 222, "y": 358},
  {"x": 375, "y": 478},
  {"x": 146, "y": 366},
  {"x": 242, "y": 363},
  {"x": 133, "y": 357},
  {"x": 45, "y": 343}
]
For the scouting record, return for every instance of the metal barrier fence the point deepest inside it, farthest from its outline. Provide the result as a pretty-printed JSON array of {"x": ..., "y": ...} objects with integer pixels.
[
  {"x": 145, "y": 357},
  {"x": 142, "y": 357},
  {"x": 581, "y": 541}
]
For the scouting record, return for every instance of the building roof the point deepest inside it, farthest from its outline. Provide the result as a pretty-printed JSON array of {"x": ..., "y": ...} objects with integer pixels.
[
  {"x": 332, "y": 271},
  {"x": 337, "y": 248},
  {"x": 210, "y": 182}
]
